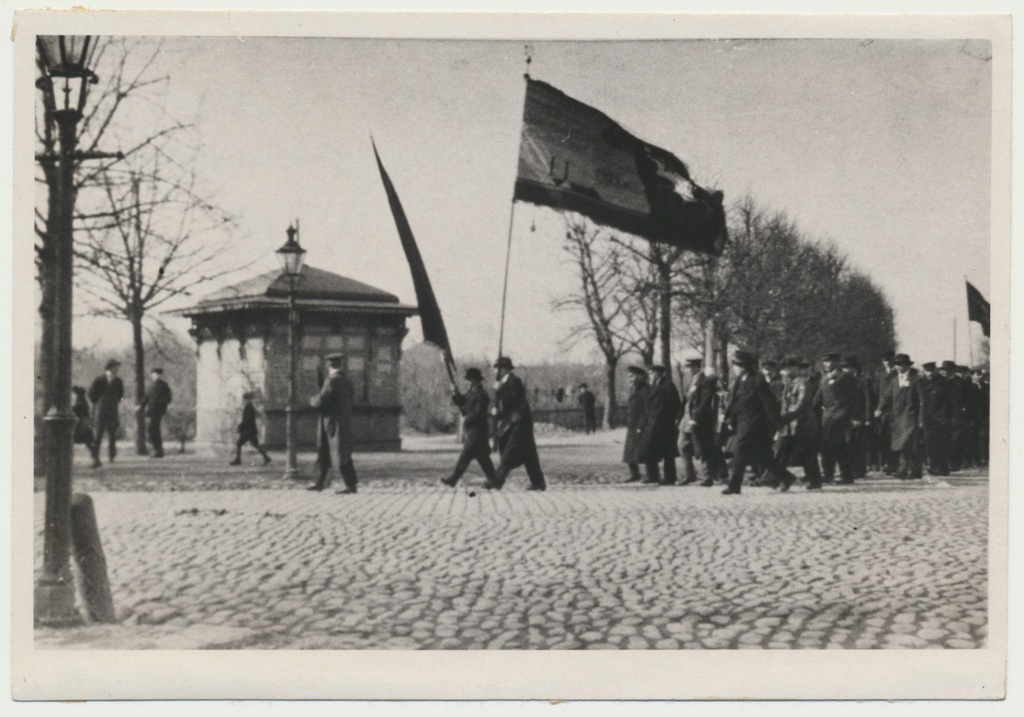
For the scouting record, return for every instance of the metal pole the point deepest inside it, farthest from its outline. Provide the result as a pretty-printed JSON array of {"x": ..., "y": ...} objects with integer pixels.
[
  {"x": 291, "y": 469},
  {"x": 954, "y": 339},
  {"x": 54, "y": 591}
]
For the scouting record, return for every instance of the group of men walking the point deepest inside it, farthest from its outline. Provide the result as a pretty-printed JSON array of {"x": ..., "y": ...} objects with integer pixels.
[
  {"x": 895, "y": 421},
  {"x": 105, "y": 393}
]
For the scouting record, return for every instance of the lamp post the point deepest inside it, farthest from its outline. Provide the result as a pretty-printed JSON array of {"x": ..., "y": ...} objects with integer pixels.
[
  {"x": 63, "y": 62},
  {"x": 292, "y": 256}
]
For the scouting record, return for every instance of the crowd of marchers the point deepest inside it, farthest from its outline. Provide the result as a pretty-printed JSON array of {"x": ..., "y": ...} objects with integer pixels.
[{"x": 827, "y": 418}]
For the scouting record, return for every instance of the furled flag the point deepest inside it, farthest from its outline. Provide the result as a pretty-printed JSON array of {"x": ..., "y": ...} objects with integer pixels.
[
  {"x": 977, "y": 308},
  {"x": 574, "y": 157},
  {"x": 430, "y": 313}
]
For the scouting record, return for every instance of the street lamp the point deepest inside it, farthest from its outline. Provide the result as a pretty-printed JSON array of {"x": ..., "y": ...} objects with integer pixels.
[
  {"x": 292, "y": 256},
  {"x": 63, "y": 63}
]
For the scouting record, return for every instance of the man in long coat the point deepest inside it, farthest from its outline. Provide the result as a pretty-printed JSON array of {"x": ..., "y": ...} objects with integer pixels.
[
  {"x": 883, "y": 457},
  {"x": 902, "y": 403},
  {"x": 473, "y": 405},
  {"x": 863, "y": 413},
  {"x": 972, "y": 401},
  {"x": 978, "y": 376},
  {"x": 798, "y": 432},
  {"x": 106, "y": 393},
  {"x": 637, "y": 411},
  {"x": 334, "y": 435},
  {"x": 588, "y": 402},
  {"x": 660, "y": 431},
  {"x": 936, "y": 419},
  {"x": 154, "y": 406},
  {"x": 837, "y": 400},
  {"x": 700, "y": 423},
  {"x": 514, "y": 429},
  {"x": 753, "y": 415}
]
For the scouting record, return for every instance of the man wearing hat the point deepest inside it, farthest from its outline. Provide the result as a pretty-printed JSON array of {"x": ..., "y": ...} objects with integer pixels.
[
  {"x": 660, "y": 431},
  {"x": 334, "y": 438},
  {"x": 882, "y": 457},
  {"x": 753, "y": 414},
  {"x": 106, "y": 393},
  {"x": 514, "y": 429},
  {"x": 700, "y": 419},
  {"x": 958, "y": 412},
  {"x": 837, "y": 400},
  {"x": 902, "y": 403},
  {"x": 154, "y": 406},
  {"x": 475, "y": 447},
  {"x": 935, "y": 407},
  {"x": 798, "y": 431},
  {"x": 980, "y": 380},
  {"x": 248, "y": 431},
  {"x": 971, "y": 403},
  {"x": 865, "y": 404},
  {"x": 637, "y": 412},
  {"x": 589, "y": 405}
]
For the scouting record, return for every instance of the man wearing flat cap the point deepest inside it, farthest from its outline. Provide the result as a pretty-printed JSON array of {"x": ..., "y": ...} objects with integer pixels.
[
  {"x": 637, "y": 412},
  {"x": 837, "y": 401},
  {"x": 514, "y": 429},
  {"x": 106, "y": 393},
  {"x": 798, "y": 427},
  {"x": 903, "y": 404},
  {"x": 935, "y": 407},
  {"x": 473, "y": 405},
  {"x": 659, "y": 434},
  {"x": 753, "y": 415},
  {"x": 154, "y": 407},
  {"x": 335, "y": 438}
]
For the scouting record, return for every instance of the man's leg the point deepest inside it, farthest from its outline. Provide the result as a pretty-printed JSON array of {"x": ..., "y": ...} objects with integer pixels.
[
  {"x": 689, "y": 471},
  {"x": 669, "y": 474},
  {"x": 828, "y": 460},
  {"x": 97, "y": 442},
  {"x": 155, "y": 438},
  {"x": 238, "y": 453},
  {"x": 634, "y": 473},
  {"x": 651, "y": 473},
  {"x": 533, "y": 470},
  {"x": 465, "y": 457},
  {"x": 483, "y": 457},
  {"x": 348, "y": 475}
]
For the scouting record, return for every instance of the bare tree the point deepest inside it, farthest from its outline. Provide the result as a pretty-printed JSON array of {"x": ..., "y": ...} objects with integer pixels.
[{"x": 145, "y": 231}]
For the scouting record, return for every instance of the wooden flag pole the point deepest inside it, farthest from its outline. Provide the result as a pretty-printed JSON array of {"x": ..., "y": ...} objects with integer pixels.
[{"x": 954, "y": 339}]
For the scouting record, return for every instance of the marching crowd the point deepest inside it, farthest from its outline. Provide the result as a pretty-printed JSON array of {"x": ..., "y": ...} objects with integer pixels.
[{"x": 896, "y": 419}]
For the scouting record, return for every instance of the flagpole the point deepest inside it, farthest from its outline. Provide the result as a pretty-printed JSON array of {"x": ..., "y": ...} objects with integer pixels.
[
  {"x": 511, "y": 222},
  {"x": 954, "y": 339}
]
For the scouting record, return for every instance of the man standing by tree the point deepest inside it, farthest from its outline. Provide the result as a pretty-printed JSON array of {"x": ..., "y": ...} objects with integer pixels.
[
  {"x": 634, "y": 422},
  {"x": 514, "y": 429},
  {"x": 106, "y": 393},
  {"x": 660, "y": 432},
  {"x": 154, "y": 405},
  {"x": 837, "y": 401},
  {"x": 473, "y": 407},
  {"x": 589, "y": 405},
  {"x": 335, "y": 437}
]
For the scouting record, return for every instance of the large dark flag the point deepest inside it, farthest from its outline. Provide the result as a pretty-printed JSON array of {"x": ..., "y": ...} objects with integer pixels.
[
  {"x": 430, "y": 313},
  {"x": 574, "y": 157},
  {"x": 978, "y": 308}
]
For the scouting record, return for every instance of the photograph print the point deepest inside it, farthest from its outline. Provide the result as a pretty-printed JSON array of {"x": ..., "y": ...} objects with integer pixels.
[{"x": 435, "y": 342}]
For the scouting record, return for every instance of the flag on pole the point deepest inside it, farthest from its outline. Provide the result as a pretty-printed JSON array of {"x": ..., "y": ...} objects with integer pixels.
[
  {"x": 430, "y": 313},
  {"x": 574, "y": 157},
  {"x": 977, "y": 308}
]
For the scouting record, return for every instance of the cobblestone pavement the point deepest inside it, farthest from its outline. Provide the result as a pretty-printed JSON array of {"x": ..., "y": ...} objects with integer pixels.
[{"x": 588, "y": 564}]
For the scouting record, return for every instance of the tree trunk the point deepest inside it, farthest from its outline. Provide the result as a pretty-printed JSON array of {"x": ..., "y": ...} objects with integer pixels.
[
  {"x": 665, "y": 296},
  {"x": 140, "y": 383},
  {"x": 611, "y": 403}
]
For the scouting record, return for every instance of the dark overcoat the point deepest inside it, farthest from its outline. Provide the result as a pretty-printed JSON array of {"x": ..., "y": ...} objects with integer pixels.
[
  {"x": 753, "y": 414},
  {"x": 838, "y": 399},
  {"x": 797, "y": 410},
  {"x": 473, "y": 405},
  {"x": 702, "y": 412},
  {"x": 634, "y": 422},
  {"x": 659, "y": 432},
  {"x": 935, "y": 403},
  {"x": 515, "y": 422},
  {"x": 247, "y": 430},
  {"x": 334, "y": 437},
  {"x": 157, "y": 398},
  {"x": 105, "y": 395},
  {"x": 903, "y": 405}
]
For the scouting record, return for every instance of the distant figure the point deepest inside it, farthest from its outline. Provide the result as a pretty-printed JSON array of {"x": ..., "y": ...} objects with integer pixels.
[
  {"x": 589, "y": 405},
  {"x": 903, "y": 404},
  {"x": 660, "y": 432},
  {"x": 634, "y": 422},
  {"x": 514, "y": 430},
  {"x": 473, "y": 407},
  {"x": 83, "y": 424},
  {"x": 106, "y": 393},
  {"x": 154, "y": 404},
  {"x": 559, "y": 394},
  {"x": 334, "y": 439},
  {"x": 248, "y": 432}
]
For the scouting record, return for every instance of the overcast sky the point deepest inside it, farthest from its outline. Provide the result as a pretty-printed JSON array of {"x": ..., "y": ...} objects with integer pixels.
[{"x": 882, "y": 147}]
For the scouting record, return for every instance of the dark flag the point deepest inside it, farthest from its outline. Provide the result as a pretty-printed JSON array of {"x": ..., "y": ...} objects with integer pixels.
[
  {"x": 977, "y": 308},
  {"x": 430, "y": 313},
  {"x": 574, "y": 157}
]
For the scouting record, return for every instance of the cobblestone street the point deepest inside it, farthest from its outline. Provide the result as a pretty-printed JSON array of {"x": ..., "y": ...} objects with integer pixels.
[{"x": 588, "y": 564}]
